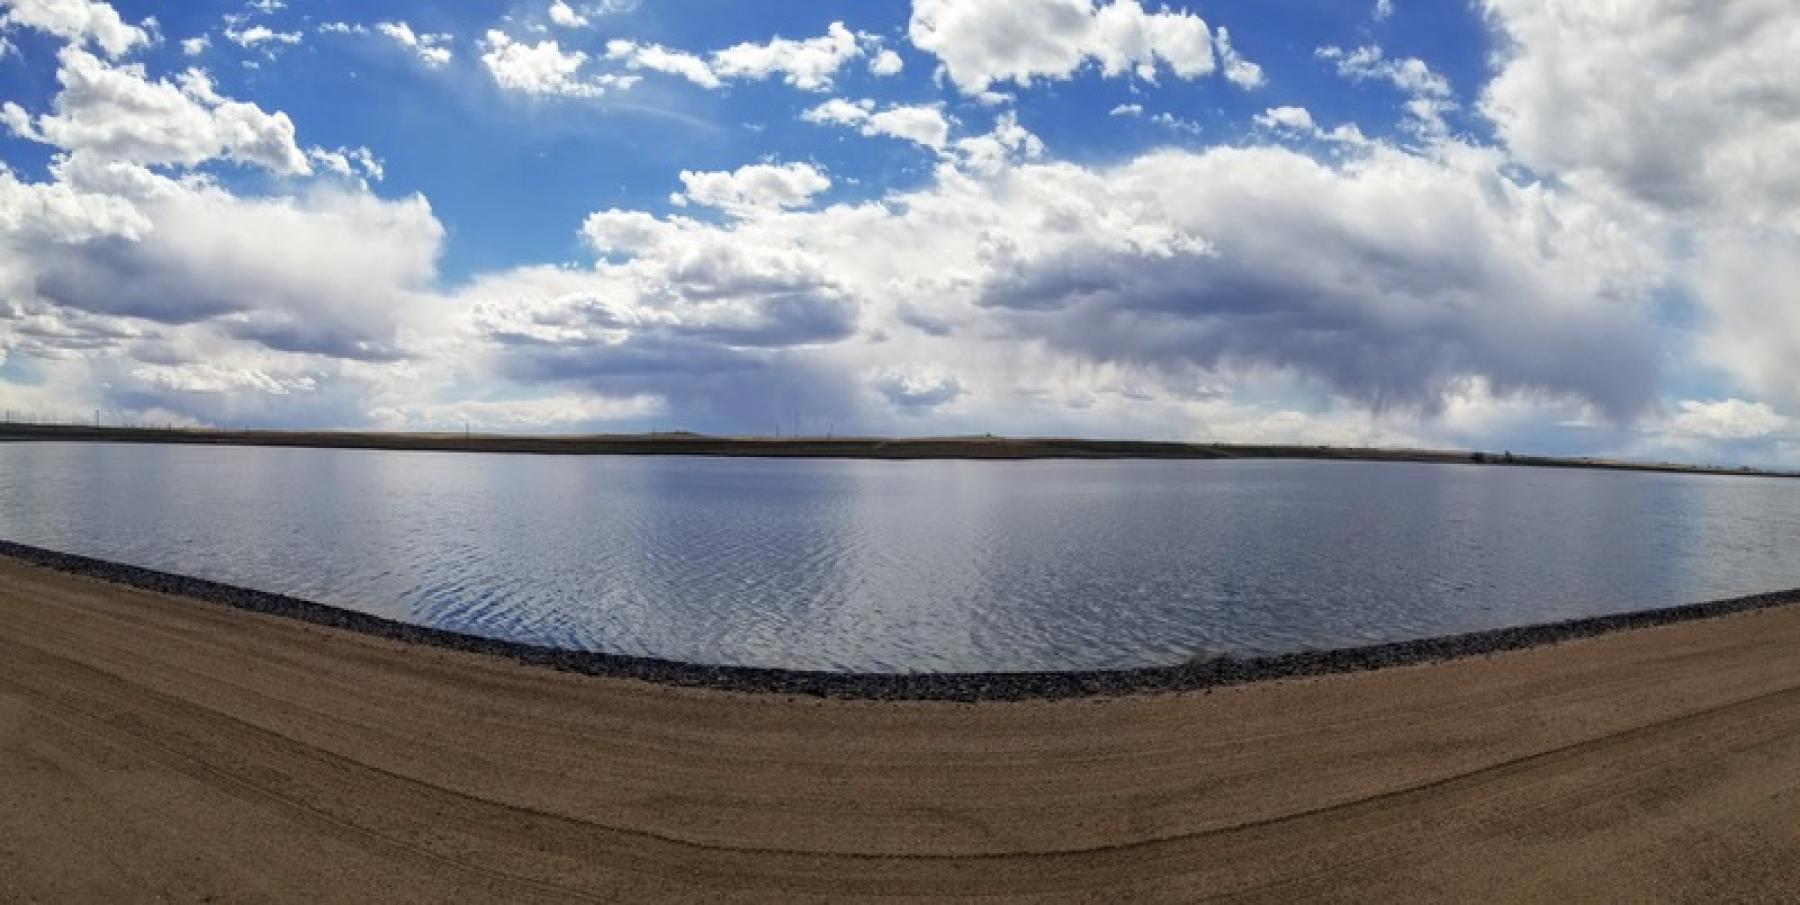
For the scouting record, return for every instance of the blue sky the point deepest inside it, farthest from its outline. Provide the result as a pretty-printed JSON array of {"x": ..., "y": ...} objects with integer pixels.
[
  {"x": 1407, "y": 223},
  {"x": 518, "y": 177}
]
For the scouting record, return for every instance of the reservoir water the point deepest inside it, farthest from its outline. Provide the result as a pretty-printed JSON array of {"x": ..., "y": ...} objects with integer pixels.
[{"x": 912, "y": 566}]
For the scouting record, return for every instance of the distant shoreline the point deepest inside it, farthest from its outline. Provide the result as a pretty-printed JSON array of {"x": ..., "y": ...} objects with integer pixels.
[{"x": 980, "y": 447}]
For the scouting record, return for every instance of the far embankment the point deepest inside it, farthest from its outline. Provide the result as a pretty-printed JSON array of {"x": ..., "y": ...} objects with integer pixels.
[{"x": 682, "y": 443}]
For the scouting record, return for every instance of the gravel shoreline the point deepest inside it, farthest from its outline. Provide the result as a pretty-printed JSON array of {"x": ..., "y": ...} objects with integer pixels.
[{"x": 961, "y": 687}]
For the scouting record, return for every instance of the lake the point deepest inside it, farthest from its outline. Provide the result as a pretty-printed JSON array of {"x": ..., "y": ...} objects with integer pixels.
[{"x": 882, "y": 566}]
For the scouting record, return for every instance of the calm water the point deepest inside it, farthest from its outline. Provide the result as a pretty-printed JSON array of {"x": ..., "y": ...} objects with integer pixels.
[{"x": 904, "y": 566}]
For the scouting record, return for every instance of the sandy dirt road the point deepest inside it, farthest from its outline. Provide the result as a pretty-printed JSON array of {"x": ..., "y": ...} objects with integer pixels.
[{"x": 160, "y": 749}]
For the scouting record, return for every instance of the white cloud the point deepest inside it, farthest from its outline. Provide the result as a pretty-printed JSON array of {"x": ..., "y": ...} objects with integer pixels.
[
  {"x": 925, "y": 125},
  {"x": 77, "y": 21},
  {"x": 1743, "y": 280},
  {"x": 1298, "y": 122},
  {"x": 334, "y": 273},
  {"x": 885, "y": 63},
  {"x": 1724, "y": 420},
  {"x": 840, "y": 111},
  {"x": 432, "y": 49},
  {"x": 565, "y": 15},
  {"x": 1171, "y": 121},
  {"x": 809, "y": 64},
  {"x": 1178, "y": 292},
  {"x": 56, "y": 212},
  {"x": 1410, "y": 74},
  {"x": 755, "y": 187},
  {"x": 983, "y": 42},
  {"x": 555, "y": 411},
  {"x": 1417, "y": 274},
  {"x": 211, "y": 378},
  {"x": 1058, "y": 288},
  {"x": 348, "y": 162},
  {"x": 1296, "y": 119},
  {"x": 1383, "y": 9},
  {"x": 1429, "y": 94},
  {"x": 261, "y": 34},
  {"x": 544, "y": 68},
  {"x": 806, "y": 64},
  {"x": 916, "y": 391},
  {"x": 1574, "y": 95},
  {"x": 196, "y": 45},
  {"x": 1007, "y": 144},
  {"x": 1238, "y": 70},
  {"x": 658, "y": 58},
  {"x": 1685, "y": 119},
  {"x": 119, "y": 113}
]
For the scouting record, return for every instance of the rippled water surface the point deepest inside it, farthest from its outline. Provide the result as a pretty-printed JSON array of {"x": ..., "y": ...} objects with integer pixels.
[{"x": 911, "y": 566}]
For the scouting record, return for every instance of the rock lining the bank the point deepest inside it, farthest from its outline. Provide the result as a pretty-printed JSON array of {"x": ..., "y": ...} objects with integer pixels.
[{"x": 1197, "y": 675}]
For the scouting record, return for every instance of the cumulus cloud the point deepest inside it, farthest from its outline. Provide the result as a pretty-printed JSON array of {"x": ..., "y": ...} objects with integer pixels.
[
  {"x": 885, "y": 63},
  {"x": 207, "y": 377},
  {"x": 341, "y": 285},
  {"x": 257, "y": 35},
  {"x": 1421, "y": 276},
  {"x": 77, "y": 21},
  {"x": 658, "y": 58},
  {"x": 432, "y": 49},
  {"x": 1295, "y": 119},
  {"x": 162, "y": 294},
  {"x": 1298, "y": 122},
  {"x": 1278, "y": 289},
  {"x": 544, "y": 68},
  {"x": 917, "y": 391},
  {"x": 357, "y": 162},
  {"x": 1410, "y": 74},
  {"x": 716, "y": 324},
  {"x": 60, "y": 213},
  {"x": 565, "y": 15},
  {"x": 806, "y": 64},
  {"x": 1724, "y": 420},
  {"x": 118, "y": 112},
  {"x": 755, "y": 187},
  {"x": 1571, "y": 97},
  {"x": 810, "y": 64},
  {"x": 918, "y": 123},
  {"x": 1429, "y": 96},
  {"x": 1417, "y": 274},
  {"x": 1238, "y": 70},
  {"x": 558, "y": 410},
  {"x": 984, "y": 42}
]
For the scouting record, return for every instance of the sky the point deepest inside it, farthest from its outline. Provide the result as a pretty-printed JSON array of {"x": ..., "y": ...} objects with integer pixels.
[{"x": 1540, "y": 225}]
